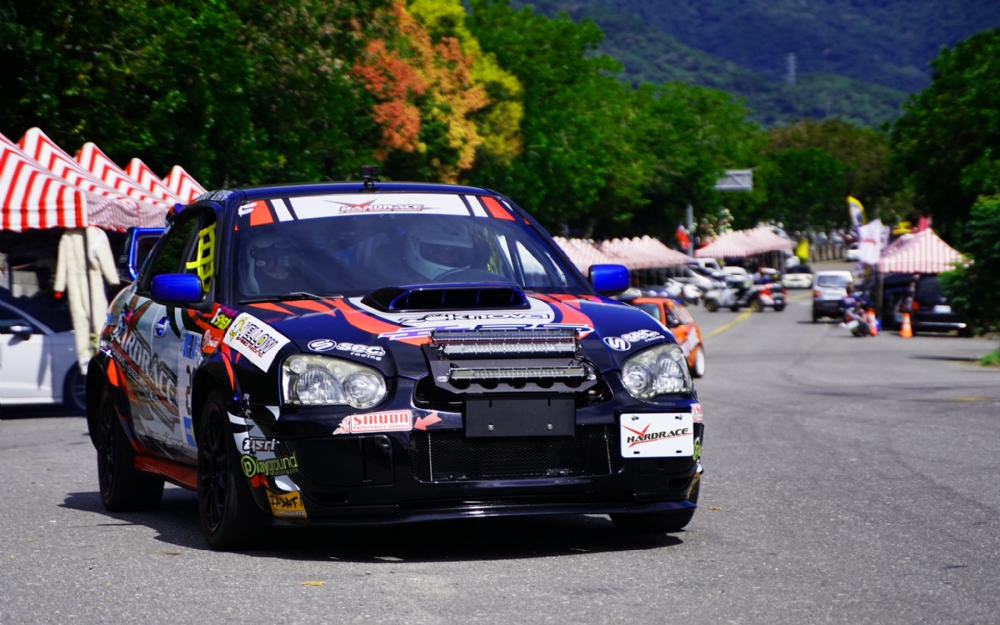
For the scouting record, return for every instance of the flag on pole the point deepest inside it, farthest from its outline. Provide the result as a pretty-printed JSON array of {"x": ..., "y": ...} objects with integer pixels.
[{"x": 857, "y": 212}]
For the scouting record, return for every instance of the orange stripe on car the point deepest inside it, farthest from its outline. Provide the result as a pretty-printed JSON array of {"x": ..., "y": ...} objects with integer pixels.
[
  {"x": 495, "y": 209},
  {"x": 272, "y": 308},
  {"x": 261, "y": 214}
]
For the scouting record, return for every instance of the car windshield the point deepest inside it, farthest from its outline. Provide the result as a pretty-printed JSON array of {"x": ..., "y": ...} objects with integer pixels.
[
  {"x": 834, "y": 281},
  {"x": 929, "y": 290},
  {"x": 799, "y": 269},
  {"x": 351, "y": 245},
  {"x": 650, "y": 309}
]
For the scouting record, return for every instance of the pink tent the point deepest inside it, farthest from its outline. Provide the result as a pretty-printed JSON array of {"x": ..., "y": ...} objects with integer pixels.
[
  {"x": 643, "y": 253},
  {"x": 98, "y": 163},
  {"x": 743, "y": 243},
  {"x": 584, "y": 253},
  {"x": 118, "y": 214},
  {"x": 183, "y": 185},
  {"x": 34, "y": 197},
  {"x": 924, "y": 252},
  {"x": 141, "y": 173}
]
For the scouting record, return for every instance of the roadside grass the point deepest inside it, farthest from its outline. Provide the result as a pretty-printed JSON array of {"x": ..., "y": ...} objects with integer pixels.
[{"x": 991, "y": 359}]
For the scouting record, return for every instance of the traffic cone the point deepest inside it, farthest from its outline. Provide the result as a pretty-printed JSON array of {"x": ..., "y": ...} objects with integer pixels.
[
  {"x": 872, "y": 326},
  {"x": 906, "y": 331}
]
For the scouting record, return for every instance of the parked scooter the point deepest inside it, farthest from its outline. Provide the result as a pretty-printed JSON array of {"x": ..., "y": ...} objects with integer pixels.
[{"x": 856, "y": 315}]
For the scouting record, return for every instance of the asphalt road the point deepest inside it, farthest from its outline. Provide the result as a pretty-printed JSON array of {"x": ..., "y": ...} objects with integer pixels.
[{"x": 848, "y": 481}]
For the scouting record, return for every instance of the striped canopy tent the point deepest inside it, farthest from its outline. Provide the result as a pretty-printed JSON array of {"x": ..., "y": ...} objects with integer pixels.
[
  {"x": 122, "y": 212},
  {"x": 141, "y": 173},
  {"x": 584, "y": 253},
  {"x": 183, "y": 185},
  {"x": 98, "y": 163},
  {"x": 35, "y": 198},
  {"x": 743, "y": 243},
  {"x": 643, "y": 253},
  {"x": 924, "y": 252}
]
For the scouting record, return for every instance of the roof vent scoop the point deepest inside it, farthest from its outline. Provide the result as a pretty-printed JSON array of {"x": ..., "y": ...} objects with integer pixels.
[{"x": 446, "y": 297}]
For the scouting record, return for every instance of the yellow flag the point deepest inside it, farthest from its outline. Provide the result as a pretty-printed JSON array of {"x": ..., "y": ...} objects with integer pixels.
[{"x": 857, "y": 211}]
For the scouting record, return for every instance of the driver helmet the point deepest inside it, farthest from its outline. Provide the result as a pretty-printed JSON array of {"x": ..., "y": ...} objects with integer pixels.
[
  {"x": 435, "y": 247},
  {"x": 272, "y": 253}
]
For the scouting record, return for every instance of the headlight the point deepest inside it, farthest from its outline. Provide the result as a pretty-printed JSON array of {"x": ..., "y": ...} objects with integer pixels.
[
  {"x": 319, "y": 380},
  {"x": 659, "y": 370}
]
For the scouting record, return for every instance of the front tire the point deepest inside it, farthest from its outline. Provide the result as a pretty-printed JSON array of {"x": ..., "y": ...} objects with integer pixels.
[
  {"x": 756, "y": 306},
  {"x": 699, "y": 363},
  {"x": 657, "y": 522},
  {"x": 230, "y": 519},
  {"x": 123, "y": 488}
]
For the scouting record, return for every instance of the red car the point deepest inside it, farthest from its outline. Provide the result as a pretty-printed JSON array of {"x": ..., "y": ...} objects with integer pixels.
[{"x": 678, "y": 320}]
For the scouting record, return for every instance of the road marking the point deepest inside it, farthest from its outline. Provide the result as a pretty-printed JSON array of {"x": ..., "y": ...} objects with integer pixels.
[
  {"x": 969, "y": 399},
  {"x": 722, "y": 329},
  {"x": 798, "y": 297}
]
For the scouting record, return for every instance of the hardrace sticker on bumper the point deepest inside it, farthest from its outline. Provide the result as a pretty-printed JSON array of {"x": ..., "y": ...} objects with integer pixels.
[
  {"x": 659, "y": 435},
  {"x": 389, "y": 421},
  {"x": 256, "y": 340}
]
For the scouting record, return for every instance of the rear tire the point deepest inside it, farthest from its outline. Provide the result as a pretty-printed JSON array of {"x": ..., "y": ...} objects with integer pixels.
[
  {"x": 657, "y": 522},
  {"x": 815, "y": 318},
  {"x": 965, "y": 333},
  {"x": 711, "y": 305},
  {"x": 230, "y": 518},
  {"x": 779, "y": 307},
  {"x": 756, "y": 306},
  {"x": 699, "y": 363},
  {"x": 734, "y": 308},
  {"x": 123, "y": 488}
]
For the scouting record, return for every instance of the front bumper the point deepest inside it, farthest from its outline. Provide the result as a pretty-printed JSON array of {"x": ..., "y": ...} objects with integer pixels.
[{"x": 439, "y": 473}]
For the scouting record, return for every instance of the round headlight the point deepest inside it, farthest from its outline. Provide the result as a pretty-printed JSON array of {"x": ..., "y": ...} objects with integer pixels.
[
  {"x": 316, "y": 386},
  {"x": 637, "y": 380},
  {"x": 363, "y": 389}
]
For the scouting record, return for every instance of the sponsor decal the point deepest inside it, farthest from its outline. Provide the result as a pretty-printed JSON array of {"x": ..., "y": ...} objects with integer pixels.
[
  {"x": 215, "y": 196},
  {"x": 287, "y": 505},
  {"x": 657, "y": 435},
  {"x": 697, "y": 450},
  {"x": 161, "y": 326},
  {"x": 223, "y": 317},
  {"x": 256, "y": 340},
  {"x": 617, "y": 343},
  {"x": 158, "y": 374},
  {"x": 411, "y": 333},
  {"x": 643, "y": 336},
  {"x": 639, "y": 437},
  {"x": 697, "y": 413},
  {"x": 374, "y": 352},
  {"x": 269, "y": 467},
  {"x": 254, "y": 444},
  {"x": 246, "y": 209},
  {"x": 192, "y": 346},
  {"x": 389, "y": 421},
  {"x": 209, "y": 341},
  {"x": 372, "y": 206}
]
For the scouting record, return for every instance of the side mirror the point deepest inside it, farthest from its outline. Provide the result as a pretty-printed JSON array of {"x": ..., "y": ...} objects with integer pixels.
[
  {"x": 139, "y": 242},
  {"x": 609, "y": 279},
  {"x": 176, "y": 289}
]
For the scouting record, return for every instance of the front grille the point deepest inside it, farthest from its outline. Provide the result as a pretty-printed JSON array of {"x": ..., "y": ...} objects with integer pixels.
[{"x": 450, "y": 456}]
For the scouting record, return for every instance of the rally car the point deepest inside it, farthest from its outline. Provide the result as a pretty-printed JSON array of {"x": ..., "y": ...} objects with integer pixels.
[
  {"x": 380, "y": 353},
  {"x": 676, "y": 317}
]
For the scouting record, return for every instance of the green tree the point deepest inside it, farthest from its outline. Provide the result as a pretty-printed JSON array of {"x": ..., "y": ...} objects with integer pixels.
[
  {"x": 947, "y": 141},
  {"x": 806, "y": 187},
  {"x": 974, "y": 289}
]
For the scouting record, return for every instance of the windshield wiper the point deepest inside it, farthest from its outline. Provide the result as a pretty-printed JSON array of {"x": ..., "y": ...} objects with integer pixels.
[{"x": 284, "y": 297}]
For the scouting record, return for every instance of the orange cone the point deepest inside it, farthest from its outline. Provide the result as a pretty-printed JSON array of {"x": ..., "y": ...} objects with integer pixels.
[
  {"x": 872, "y": 326},
  {"x": 906, "y": 331}
]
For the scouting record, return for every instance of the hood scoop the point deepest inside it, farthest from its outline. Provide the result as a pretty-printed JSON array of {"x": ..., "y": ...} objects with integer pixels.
[{"x": 446, "y": 297}]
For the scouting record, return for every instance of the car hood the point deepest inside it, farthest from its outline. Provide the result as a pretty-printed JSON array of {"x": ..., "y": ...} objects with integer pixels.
[{"x": 609, "y": 330}]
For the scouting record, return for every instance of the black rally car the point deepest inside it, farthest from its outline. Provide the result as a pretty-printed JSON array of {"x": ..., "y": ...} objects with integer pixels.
[{"x": 368, "y": 353}]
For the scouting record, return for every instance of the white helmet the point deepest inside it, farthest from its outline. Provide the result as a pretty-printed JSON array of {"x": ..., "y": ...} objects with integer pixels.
[{"x": 433, "y": 247}]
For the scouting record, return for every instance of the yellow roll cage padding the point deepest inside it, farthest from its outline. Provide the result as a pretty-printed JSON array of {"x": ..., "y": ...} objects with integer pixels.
[{"x": 204, "y": 261}]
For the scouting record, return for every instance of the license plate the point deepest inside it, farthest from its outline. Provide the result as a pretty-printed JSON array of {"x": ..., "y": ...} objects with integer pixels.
[
  {"x": 657, "y": 435},
  {"x": 942, "y": 309}
]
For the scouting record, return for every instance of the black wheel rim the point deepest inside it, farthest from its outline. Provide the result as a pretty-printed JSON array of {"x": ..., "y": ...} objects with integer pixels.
[
  {"x": 106, "y": 450},
  {"x": 212, "y": 470}
]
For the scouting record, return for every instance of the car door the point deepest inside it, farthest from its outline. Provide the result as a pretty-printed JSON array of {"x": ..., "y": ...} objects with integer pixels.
[
  {"x": 26, "y": 356},
  {"x": 153, "y": 340}
]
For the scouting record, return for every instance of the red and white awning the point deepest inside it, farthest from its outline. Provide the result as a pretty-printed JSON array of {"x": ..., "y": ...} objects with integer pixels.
[
  {"x": 183, "y": 185},
  {"x": 643, "y": 253},
  {"x": 141, "y": 173},
  {"x": 924, "y": 252},
  {"x": 34, "y": 197},
  {"x": 584, "y": 253},
  {"x": 97, "y": 162},
  {"x": 120, "y": 213},
  {"x": 743, "y": 243}
]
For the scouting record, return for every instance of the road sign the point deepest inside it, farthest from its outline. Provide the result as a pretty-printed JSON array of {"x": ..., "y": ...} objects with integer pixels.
[{"x": 736, "y": 180}]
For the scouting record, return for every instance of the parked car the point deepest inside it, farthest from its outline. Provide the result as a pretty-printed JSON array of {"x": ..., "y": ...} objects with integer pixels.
[
  {"x": 705, "y": 263},
  {"x": 350, "y": 353},
  {"x": 38, "y": 363},
  {"x": 930, "y": 311},
  {"x": 829, "y": 288},
  {"x": 853, "y": 252},
  {"x": 678, "y": 320},
  {"x": 797, "y": 277}
]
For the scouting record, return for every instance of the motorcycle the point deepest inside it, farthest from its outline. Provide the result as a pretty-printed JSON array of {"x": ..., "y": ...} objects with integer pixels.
[{"x": 856, "y": 316}]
